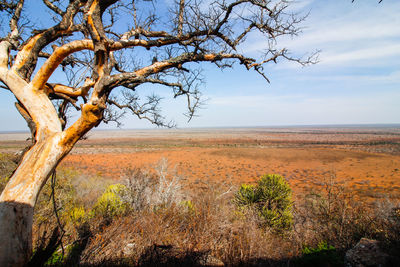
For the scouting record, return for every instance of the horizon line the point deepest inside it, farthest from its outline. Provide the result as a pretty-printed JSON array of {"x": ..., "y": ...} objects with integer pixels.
[{"x": 350, "y": 125}]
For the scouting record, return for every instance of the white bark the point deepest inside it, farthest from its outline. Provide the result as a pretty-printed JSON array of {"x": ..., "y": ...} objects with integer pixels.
[
  {"x": 19, "y": 196},
  {"x": 34, "y": 99}
]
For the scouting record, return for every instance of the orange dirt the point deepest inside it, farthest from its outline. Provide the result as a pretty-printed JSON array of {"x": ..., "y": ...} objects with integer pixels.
[
  {"x": 303, "y": 162},
  {"x": 365, "y": 160}
]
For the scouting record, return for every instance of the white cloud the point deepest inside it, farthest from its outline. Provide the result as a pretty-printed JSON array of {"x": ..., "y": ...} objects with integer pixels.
[
  {"x": 352, "y": 57},
  {"x": 370, "y": 79},
  {"x": 347, "y": 31},
  {"x": 297, "y": 6},
  {"x": 357, "y": 34}
]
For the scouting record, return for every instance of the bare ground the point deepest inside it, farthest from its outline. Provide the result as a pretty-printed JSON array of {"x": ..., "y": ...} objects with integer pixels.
[{"x": 365, "y": 160}]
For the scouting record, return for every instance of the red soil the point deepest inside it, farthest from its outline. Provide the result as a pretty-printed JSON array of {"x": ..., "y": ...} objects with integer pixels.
[
  {"x": 370, "y": 174},
  {"x": 366, "y": 161}
]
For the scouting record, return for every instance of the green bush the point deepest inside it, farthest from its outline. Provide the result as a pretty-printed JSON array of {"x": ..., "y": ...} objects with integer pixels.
[
  {"x": 271, "y": 198},
  {"x": 55, "y": 259},
  {"x": 77, "y": 216},
  {"x": 246, "y": 195},
  {"x": 113, "y": 202},
  {"x": 322, "y": 255}
]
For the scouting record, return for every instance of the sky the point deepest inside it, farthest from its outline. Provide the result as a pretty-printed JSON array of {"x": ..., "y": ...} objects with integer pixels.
[{"x": 356, "y": 81}]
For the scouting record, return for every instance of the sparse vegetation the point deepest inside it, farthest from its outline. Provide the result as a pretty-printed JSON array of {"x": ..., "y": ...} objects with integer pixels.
[
  {"x": 172, "y": 220},
  {"x": 137, "y": 227}
]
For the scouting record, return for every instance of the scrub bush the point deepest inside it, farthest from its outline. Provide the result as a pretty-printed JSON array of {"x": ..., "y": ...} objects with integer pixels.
[
  {"x": 271, "y": 198},
  {"x": 321, "y": 255},
  {"x": 246, "y": 195},
  {"x": 113, "y": 202}
]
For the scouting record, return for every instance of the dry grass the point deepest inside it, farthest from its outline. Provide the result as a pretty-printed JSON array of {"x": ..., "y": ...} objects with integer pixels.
[
  {"x": 169, "y": 225},
  {"x": 205, "y": 227},
  {"x": 7, "y": 166},
  {"x": 209, "y": 228}
]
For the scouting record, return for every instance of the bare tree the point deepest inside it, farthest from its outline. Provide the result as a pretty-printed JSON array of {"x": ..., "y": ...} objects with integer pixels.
[{"x": 106, "y": 63}]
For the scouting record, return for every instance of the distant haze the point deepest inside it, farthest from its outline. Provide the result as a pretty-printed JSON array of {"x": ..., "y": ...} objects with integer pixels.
[{"x": 208, "y": 132}]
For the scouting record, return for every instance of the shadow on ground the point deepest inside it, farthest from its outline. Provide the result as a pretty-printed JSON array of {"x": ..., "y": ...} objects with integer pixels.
[{"x": 160, "y": 255}]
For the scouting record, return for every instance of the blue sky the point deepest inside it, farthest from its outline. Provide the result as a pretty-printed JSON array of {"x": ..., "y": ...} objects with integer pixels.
[{"x": 357, "y": 80}]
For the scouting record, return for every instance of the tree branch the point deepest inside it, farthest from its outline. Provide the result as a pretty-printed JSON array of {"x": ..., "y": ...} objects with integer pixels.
[
  {"x": 70, "y": 91},
  {"x": 24, "y": 113},
  {"x": 14, "y": 20},
  {"x": 26, "y": 58},
  {"x": 149, "y": 111},
  {"x": 180, "y": 17},
  {"x": 53, "y": 7},
  {"x": 59, "y": 54}
]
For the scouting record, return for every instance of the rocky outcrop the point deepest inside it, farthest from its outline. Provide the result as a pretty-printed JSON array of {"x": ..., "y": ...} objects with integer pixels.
[{"x": 366, "y": 253}]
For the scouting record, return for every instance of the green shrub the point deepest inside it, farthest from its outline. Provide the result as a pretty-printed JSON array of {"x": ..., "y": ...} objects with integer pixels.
[
  {"x": 188, "y": 207},
  {"x": 246, "y": 195},
  {"x": 3, "y": 182},
  {"x": 77, "y": 216},
  {"x": 322, "y": 255},
  {"x": 271, "y": 198},
  {"x": 55, "y": 259},
  {"x": 113, "y": 202}
]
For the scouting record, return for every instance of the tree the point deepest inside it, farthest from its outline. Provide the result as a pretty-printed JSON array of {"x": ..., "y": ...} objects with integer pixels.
[{"x": 105, "y": 63}]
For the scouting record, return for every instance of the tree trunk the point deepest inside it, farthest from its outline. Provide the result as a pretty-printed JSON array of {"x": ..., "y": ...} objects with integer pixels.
[
  {"x": 19, "y": 197},
  {"x": 15, "y": 233}
]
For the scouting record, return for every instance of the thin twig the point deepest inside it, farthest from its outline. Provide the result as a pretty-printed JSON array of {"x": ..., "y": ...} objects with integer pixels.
[{"x": 60, "y": 226}]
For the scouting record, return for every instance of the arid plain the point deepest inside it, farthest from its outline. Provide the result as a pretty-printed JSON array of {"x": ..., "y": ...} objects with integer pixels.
[{"x": 366, "y": 160}]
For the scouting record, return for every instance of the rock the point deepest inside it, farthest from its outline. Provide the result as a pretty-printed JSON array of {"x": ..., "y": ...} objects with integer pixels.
[
  {"x": 366, "y": 253},
  {"x": 129, "y": 249},
  {"x": 213, "y": 261}
]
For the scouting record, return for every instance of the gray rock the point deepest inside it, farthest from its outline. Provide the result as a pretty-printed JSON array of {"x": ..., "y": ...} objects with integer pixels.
[{"x": 366, "y": 253}]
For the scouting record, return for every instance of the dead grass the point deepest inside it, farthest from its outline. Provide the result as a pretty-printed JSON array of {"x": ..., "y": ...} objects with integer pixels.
[
  {"x": 206, "y": 229},
  {"x": 210, "y": 229}
]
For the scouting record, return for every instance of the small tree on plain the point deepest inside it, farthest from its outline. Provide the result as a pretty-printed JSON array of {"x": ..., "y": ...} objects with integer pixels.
[{"x": 108, "y": 49}]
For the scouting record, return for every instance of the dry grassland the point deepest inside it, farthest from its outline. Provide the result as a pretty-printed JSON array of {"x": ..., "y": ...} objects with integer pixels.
[{"x": 366, "y": 161}]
